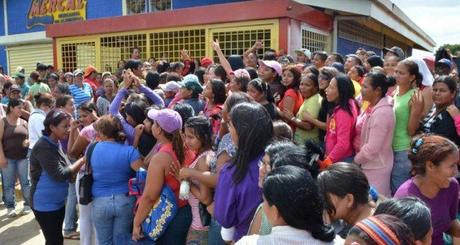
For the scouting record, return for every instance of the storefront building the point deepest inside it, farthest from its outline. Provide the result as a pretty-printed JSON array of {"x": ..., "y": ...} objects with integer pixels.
[{"x": 72, "y": 34}]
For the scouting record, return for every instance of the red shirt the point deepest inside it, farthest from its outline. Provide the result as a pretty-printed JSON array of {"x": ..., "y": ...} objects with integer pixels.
[
  {"x": 170, "y": 180},
  {"x": 298, "y": 101}
]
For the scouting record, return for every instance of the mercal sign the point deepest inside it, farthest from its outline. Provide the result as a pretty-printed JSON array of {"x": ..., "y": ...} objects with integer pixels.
[{"x": 43, "y": 12}]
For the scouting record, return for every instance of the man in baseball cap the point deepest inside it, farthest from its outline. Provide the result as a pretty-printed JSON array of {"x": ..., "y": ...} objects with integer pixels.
[
  {"x": 303, "y": 55},
  {"x": 270, "y": 72},
  {"x": 395, "y": 50},
  {"x": 443, "y": 67}
]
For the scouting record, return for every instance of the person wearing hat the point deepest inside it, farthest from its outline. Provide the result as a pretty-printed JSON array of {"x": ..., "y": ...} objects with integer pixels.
[
  {"x": 68, "y": 77},
  {"x": 166, "y": 128},
  {"x": 189, "y": 93},
  {"x": 90, "y": 77},
  {"x": 170, "y": 89},
  {"x": 205, "y": 62},
  {"x": 443, "y": 67},
  {"x": 395, "y": 50},
  {"x": 303, "y": 56},
  {"x": 19, "y": 78},
  {"x": 270, "y": 72},
  {"x": 81, "y": 91}
]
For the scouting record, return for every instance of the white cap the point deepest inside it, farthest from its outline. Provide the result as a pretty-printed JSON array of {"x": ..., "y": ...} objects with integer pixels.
[{"x": 171, "y": 86}]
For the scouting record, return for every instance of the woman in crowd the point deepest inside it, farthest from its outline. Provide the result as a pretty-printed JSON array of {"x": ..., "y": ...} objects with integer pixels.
[
  {"x": 50, "y": 171},
  {"x": 389, "y": 67},
  {"x": 44, "y": 103},
  {"x": 326, "y": 74},
  {"x": 260, "y": 92},
  {"x": 341, "y": 121},
  {"x": 277, "y": 154},
  {"x": 291, "y": 98},
  {"x": 103, "y": 102},
  {"x": 239, "y": 80},
  {"x": 408, "y": 109},
  {"x": 66, "y": 104},
  {"x": 111, "y": 205},
  {"x": 346, "y": 191},
  {"x": 134, "y": 110},
  {"x": 166, "y": 128},
  {"x": 215, "y": 94},
  {"x": 14, "y": 145},
  {"x": 413, "y": 212},
  {"x": 37, "y": 87},
  {"x": 198, "y": 138},
  {"x": 190, "y": 94},
  {"x": 438, "y": 120},
  {"x": 374, "y": 133},
  {"x": 236, "y": 198},
  {"x": 435, "y": 160},
  {"x": 295, "y": 209},
  {"x": 309, "y": 88},
  {"x": 270, "y": 72},
  {"x": 380, "y": 229},
  {"x": 225, "y": 151}
]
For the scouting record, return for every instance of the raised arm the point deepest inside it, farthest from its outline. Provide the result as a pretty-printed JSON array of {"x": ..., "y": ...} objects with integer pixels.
[{"x": 222, "y": 60}]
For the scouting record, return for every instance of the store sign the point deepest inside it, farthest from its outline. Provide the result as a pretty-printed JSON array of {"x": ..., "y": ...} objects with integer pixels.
[{"x": 43, "y": 12}]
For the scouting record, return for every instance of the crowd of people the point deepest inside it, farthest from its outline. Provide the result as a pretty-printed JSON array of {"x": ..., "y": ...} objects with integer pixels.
[{"x": 256, "y": 148}]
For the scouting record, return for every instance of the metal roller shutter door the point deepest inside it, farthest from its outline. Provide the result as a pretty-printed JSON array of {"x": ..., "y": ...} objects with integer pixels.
[{"x": 28, "y": 56}]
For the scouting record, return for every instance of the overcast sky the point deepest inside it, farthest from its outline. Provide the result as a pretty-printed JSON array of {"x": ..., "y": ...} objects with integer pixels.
[{"x": 440, "y": 19}]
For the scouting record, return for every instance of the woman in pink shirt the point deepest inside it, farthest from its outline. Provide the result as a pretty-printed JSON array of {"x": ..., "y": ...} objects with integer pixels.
[
  {"x": 374, "y": 133},
  {"x": 340, "y": 122}
]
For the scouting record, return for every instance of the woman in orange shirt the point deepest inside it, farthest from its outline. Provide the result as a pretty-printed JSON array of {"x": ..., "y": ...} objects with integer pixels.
[{"x": 291, "y": 98}]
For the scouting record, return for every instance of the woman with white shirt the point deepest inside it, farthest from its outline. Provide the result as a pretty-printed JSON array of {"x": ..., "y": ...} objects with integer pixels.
[
  {"x": 44, "y": 103},
  {"x": 294, "y": 208}
]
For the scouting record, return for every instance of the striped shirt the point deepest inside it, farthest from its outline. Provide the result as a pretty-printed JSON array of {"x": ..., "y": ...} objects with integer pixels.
[{"x": 81, "y": 95}]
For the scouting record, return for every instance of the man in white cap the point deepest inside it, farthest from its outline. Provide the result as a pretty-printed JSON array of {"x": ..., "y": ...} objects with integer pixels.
[{"x": 303, "y": 56}]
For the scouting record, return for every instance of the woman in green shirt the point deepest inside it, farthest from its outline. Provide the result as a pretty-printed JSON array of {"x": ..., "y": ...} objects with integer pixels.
[
  {"x": 309, "y": 89},
  {"x": 408, "y": 108}
]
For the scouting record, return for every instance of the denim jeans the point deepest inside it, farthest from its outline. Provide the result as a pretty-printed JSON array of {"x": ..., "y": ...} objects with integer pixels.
[
  {"x": 214, "y": 236},
  {"x": 401, "y": 170},
  {"x": 15, "y": 168},
  {"x": 112, "y": 216},
  {"x": 71, "y": 217},
  {"x": 177, "y": 230}
]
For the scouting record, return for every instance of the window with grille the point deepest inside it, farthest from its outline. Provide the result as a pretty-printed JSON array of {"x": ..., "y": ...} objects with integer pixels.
[
  {"x": 78, "y": 55},
  {"x": 353, "y": 31},
  {"x": 167, "y": 45},
  {"x": 236, "y": 42},
  {"x": 146, "y": 6},
  {"x": 116, "y": 48},
  {"x": 314, "y": 41}
]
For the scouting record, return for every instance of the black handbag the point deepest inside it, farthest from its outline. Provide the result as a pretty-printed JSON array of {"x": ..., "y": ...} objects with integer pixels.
[
  {"x": 205, "y": 216},
  {"x": 86, "y": 181}
]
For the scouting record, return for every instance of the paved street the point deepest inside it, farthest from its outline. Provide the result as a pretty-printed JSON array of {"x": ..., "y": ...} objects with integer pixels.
[{"x": 21, "y": 230}]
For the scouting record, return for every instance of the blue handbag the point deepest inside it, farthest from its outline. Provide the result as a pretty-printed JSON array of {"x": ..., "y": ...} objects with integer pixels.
[{"x": 163, "y": 211}]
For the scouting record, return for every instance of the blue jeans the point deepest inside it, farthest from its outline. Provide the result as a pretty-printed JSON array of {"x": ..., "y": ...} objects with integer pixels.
[
  {"x": 112, "y": 216},
  {"x": 15, "y": 168},
  {"x": 71, "y": 217},
  {"x": 401, "y": 170},
  {"x": 177, "y": 230},
  {"x": 214, "y": 236}
]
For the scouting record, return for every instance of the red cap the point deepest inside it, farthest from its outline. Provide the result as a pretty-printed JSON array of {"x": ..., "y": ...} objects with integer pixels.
[
  {"x": 205, "y": 62},
  {"x": 88, "y": 70}
]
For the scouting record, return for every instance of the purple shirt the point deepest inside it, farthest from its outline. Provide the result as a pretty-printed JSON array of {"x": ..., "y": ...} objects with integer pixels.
[
  {"x": 443, "y": 207},
  {"x": 115, "y": 107},
  {"x": 235, "y": 204}
]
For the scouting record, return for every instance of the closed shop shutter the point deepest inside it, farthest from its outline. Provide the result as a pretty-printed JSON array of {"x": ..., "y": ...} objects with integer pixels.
[{"x": 28, "y": 56}]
